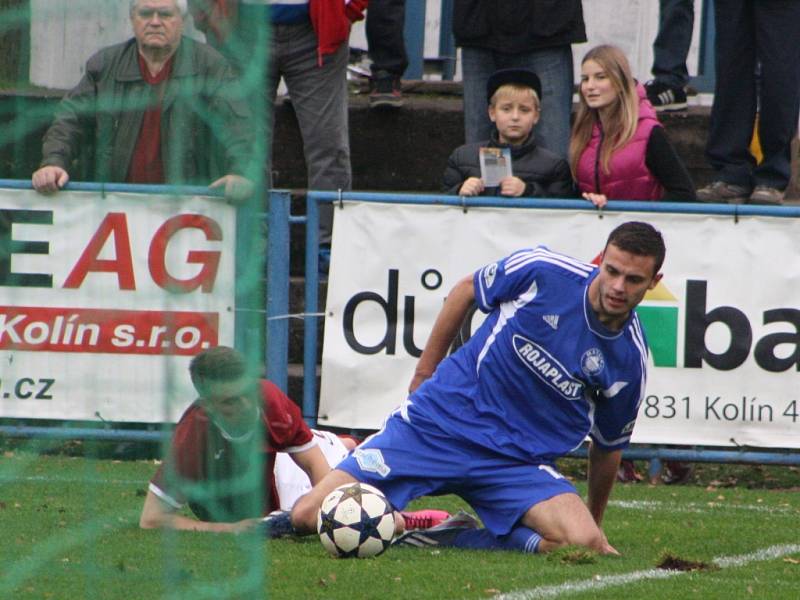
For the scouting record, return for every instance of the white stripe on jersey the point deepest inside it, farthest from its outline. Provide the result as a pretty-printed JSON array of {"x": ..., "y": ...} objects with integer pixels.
[
  {"x": 599, "y": 436},
  {"x": 638, "y": 340},
  {"x": 507, "y": 312},
  {"x": 519, "y": 260}
]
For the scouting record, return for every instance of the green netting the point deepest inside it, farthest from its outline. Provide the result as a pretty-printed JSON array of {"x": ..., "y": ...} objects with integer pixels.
[{"x": 70, "y": 521}]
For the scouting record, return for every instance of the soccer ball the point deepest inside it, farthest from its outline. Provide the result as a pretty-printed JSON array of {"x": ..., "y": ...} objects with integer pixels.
[{"x": 355, "y": 520}]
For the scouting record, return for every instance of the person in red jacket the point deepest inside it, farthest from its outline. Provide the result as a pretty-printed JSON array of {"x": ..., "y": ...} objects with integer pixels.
[{"x": 306, "y": 44}]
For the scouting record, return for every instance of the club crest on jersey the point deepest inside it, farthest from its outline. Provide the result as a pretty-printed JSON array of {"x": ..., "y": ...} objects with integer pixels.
[
  {"x": 371, "y": 460},
  {"x": 547, "y": 368},
  {"x": 592, "y": 361},
  {"x": 488, "y": 275}
]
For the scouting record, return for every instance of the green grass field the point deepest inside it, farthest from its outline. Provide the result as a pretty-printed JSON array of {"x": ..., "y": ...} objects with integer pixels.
[{"x": 70, "y": 530}]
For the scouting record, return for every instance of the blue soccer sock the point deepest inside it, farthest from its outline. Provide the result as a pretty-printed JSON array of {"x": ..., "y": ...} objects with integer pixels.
[{"x": 520, "y": 539}]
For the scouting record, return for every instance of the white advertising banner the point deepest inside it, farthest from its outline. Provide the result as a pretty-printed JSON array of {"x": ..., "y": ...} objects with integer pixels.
[
  {"x": 104, "y": 300},
  {"x": 723, "y": 326}
]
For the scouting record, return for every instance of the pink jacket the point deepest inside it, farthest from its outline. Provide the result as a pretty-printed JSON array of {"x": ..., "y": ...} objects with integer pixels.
[{"x": 628, "y": 177}]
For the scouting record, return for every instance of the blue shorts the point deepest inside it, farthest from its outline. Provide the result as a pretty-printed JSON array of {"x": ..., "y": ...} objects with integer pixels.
[{"x": 405, "y": 462}]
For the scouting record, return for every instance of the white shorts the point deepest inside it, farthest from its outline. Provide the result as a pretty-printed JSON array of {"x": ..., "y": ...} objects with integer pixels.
[{"x": 291, "y": 481}]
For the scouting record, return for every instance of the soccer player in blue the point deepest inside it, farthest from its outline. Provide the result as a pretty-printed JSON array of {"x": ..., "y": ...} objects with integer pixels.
[{"x": 561, "y": 355}]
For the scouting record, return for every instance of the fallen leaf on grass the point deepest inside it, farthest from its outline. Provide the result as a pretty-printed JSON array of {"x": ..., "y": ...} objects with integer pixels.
[
  {"x": 491, "y": 592},
  {"x": 792, "y": 561}
]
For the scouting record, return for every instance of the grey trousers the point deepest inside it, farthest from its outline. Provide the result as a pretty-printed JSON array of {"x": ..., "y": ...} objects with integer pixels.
[{"x": 319, "y": 98}]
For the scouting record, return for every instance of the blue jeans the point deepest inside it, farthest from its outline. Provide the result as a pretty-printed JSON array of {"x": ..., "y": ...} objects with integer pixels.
[
  {"x": 554, "y": 68},
  {"x": 671, "y": 47}
]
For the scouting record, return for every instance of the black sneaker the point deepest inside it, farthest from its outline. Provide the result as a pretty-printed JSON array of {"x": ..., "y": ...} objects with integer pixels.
[
  {"x": 665, "y": 98},
  {"x": 385, "y": 91}
]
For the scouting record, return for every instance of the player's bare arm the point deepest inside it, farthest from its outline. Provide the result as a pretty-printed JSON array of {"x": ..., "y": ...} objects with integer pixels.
[
  {"x": 444, "y": 331},
  {"x": 603, "y": 467},
  {"x": 157, "y": 514},
  {"x": 313, "y": 462}
]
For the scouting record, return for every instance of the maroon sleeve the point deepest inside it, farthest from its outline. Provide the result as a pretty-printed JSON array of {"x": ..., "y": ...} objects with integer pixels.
[
  {"x": 284, "y": 421},
  {"x": 186, "y": 455}
]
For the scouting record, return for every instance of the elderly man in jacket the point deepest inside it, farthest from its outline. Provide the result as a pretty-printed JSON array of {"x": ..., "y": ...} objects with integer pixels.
[{"x": 158, "y": 108}]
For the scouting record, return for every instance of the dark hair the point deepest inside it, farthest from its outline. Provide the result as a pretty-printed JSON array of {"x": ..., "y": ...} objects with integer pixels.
[
  {"x": 639, "y": 238},
  {"x": 217, "y": 364}
]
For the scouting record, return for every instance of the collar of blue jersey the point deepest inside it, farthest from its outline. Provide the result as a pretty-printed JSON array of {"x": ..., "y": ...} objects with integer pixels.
[{"x": 591, "y": 318}]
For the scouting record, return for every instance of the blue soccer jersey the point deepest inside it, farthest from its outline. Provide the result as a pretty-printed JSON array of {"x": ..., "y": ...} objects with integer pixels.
[{"x": 541, "y": 372}]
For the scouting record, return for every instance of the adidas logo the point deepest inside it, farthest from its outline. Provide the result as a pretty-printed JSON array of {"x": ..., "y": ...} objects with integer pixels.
[{"x": 551, "y": 320}]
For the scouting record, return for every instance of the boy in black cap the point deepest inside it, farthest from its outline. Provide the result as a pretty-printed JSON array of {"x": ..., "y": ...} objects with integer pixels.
[{"x": 514, "y": 108}]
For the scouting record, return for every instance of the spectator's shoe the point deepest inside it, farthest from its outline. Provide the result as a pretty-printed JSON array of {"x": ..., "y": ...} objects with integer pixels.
[
  {"x": 665, "y": 98},
  {"x": 723, "y": 192},
  {"x": 277, "y": 524},
  {"x": 424, "y": 519},
  {"x": 676, "y": 472},
  {"x": 442, "y": 535},
  {"x": 770, "y": 196},
  {"x": 385, "y": 91},
  {"x": 627, "y": 472}
]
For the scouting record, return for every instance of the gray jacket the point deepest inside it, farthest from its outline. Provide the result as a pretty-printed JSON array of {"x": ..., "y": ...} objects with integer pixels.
[{"x": 206, "y": 128}]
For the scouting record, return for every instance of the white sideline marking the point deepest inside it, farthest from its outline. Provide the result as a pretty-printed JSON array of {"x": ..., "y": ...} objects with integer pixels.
[
  {"x": 604, "y": 581},
  {"x": 45, "y": 479},
  {"x": 695, "y": 507}
]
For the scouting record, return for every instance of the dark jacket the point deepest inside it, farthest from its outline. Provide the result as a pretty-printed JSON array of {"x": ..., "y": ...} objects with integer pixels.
[
  {"x": 515, "y": 26},
  {"x": 206, "y": 131},
  {"x": 545, "y": 173}
]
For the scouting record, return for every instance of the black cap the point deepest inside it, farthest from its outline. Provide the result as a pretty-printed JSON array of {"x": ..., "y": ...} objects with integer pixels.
[{"x": 524, "y": 77}]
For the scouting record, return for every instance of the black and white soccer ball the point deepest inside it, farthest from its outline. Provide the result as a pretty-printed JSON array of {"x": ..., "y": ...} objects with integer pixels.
[{"x": 355, "y": 520}]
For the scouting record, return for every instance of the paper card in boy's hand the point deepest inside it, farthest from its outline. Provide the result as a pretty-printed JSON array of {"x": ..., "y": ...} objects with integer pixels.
[{"x": 495, "y": 165}]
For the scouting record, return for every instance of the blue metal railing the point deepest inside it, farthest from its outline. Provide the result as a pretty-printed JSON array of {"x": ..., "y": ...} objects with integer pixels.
[{"x": 279, "y": 219}]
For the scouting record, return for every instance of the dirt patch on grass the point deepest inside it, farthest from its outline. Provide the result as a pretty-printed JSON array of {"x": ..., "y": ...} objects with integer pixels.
[{"x": 672, "y": 562}]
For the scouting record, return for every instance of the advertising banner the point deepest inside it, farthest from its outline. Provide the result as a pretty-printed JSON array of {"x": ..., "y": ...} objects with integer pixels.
[
  {"x": 723, "y": 325},
  {"x": 105, "y": 299}
]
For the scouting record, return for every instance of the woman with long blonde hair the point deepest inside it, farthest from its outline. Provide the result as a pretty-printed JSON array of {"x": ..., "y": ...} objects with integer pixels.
[{"x": 618, "y": 149}]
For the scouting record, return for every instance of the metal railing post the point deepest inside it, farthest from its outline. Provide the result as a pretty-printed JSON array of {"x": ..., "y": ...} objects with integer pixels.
[
  {"x": 311, "y": 307},
  {"x": 277, "y": 273},
  {"x": 414, "y": 35}
]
